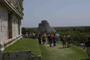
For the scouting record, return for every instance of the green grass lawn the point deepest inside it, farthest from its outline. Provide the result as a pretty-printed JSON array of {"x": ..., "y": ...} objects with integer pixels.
[
  {"x": 25, "y": 44},
  {"x": 46, "y": 52},
  {"x": 59, "y": 53}
]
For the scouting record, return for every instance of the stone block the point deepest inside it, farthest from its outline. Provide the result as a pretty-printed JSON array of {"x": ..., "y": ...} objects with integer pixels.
[
  {"x": 24, "y": 58},
  {"x": 3, "y": 29},
  {"x": 36, "y": 58},
  {"x": 17, "y": 58},
  {"x": 23, "y": 54},
  {"x": 11, "y": 55},
  {"x": 6, "y": 55},
  {"x": 12, "y": 59},
  {"x": 6, "y": 59}
]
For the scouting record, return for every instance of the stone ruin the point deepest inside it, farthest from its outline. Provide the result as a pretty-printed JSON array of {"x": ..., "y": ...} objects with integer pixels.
[{"x": 44, "y": 26}]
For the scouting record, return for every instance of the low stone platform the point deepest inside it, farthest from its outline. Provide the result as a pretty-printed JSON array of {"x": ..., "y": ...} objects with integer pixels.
[{"x": 23, "y": 55}]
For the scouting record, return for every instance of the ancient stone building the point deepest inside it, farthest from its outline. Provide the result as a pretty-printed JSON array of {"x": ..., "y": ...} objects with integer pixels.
[
  {"x": 44, "y": 26},
  {"x": 11, "y": 13}
]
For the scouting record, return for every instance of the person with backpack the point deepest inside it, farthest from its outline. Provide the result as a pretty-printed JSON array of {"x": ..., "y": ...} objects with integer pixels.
[
  {"x": 57, "y": 37},
  {"x": 63, "y": 41},
  {"x": 87, "y": 45},
  {"x": 39, "y": 38},
  {"x": 54, "y": 40},
  {"x": 48, "y": 37},
  {"x": 69, "y": 40},
  {"x": 51, "y": 38},
  {"x": 43, "y": 38}
]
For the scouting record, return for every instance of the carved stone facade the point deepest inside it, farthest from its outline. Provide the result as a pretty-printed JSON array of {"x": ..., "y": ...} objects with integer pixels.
[
  {"x": 10, "y": 21},
  {"x": 44, "y": 26}
]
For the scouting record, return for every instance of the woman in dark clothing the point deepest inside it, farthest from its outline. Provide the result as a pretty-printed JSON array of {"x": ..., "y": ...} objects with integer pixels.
[
  {"x": 87, "y": 45},
  {"x": 43, "y": 38},
  {"x": 39, "y": 38},
  {"x": 54, "y": 40},
  {"x": 51, "y": 38}
]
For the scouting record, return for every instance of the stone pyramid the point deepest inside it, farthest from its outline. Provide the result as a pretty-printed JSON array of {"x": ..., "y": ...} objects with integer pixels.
[{"x": 44, "y": 26}]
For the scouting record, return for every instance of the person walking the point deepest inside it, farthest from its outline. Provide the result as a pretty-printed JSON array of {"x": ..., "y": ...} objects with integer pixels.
[
  {"x": 39, "y": 38},
  {"x": 87, "y": 45},
  {"x": 54, "y": 40},
  {"x": 69, "y": 40},
  {"x": 63, "y": 41},
  {"x": 51, "y": 38},
  {"x": 34, "y": 35},
  {"x": 57, "y": 37},
  {"x": 48, "y": 37},
  {"x": 43, "y": 38}
]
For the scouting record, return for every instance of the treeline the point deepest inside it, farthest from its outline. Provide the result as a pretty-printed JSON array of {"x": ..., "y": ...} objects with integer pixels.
[
  {"x": 78, "y": 34},
  {"x": 28, "y": 30}
]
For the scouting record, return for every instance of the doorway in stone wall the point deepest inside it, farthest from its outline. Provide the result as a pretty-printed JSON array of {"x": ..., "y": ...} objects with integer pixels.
[
  {"x": 18, "y": 27},
  {"x": 9, "y": 25}
]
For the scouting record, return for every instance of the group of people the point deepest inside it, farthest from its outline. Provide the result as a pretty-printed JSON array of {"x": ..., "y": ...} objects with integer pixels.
[
  {"x": 53, "y": 38},
  {"x": 63, "y": 39},
  {"x": 49, "y": 38},
  {"x": 30, "y": 35}
]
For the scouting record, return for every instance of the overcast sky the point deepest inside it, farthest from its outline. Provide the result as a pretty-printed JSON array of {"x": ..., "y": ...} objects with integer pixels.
[{"x": 56, "y": 12}]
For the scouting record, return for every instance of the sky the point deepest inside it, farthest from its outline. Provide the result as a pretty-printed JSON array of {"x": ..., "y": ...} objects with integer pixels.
[{"x": 58, "y": 13}]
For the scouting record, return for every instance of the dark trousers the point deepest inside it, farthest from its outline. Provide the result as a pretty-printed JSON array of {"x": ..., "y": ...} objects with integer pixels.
[
  {"x": 54, "y": 43},
  {"x": 39, "y": 41},
  {"x": 43, "y": 41},
  {"x": 50, "y": 42}
]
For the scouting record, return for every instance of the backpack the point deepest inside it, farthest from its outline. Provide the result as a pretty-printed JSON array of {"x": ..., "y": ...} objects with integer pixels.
[
  {"x": 61, "y": 38},
  {"x": 69, "y": 37},
  {"x": 43, "y": 36},
  {"x": 51, "y": 37},
  {"x": 54, "y": 37}
]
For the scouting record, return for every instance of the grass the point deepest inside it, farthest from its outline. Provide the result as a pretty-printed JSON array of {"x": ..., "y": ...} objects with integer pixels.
[
  {"x": 25, "y": 44},
  {"x": 46, "y": 52},
  {"x": 59, "y": 53}
]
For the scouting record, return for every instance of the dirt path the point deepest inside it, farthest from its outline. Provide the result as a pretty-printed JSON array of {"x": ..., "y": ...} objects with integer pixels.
[{"x": 59, "y": 53}]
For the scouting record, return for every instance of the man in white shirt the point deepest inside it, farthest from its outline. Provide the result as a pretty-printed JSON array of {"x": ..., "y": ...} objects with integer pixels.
[
  {"x": 26, "y": 35},
  {"x": 57, "y": 37}
]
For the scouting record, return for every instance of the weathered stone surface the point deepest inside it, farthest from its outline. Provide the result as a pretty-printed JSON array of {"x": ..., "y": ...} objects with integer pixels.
[
  {"x": 9, "y": 26},
  {"x": 36, "y": 58},
  {"x": 44, "y": 26},
  {"x": 18, "y": 55}
]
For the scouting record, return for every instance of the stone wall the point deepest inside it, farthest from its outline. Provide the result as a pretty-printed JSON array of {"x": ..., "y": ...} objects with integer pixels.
[
  {"x": 3, "y": 24},
  {"x": 10, "y": 29},
  {"x": 23, "y": 55},
  {"x": 14, "y": 26}
]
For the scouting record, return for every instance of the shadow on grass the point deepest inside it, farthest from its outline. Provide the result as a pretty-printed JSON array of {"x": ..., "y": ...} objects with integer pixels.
[
  {"x": 60, "y": 48},
  {"x": 85, "y": 59}
]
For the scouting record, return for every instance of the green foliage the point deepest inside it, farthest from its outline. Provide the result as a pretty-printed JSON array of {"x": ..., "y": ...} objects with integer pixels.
[{"x": 78, "y": 34}]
